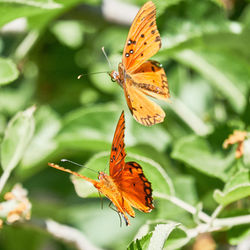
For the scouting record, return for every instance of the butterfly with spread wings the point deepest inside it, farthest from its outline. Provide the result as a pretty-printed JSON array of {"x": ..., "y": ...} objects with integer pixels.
[
  {"x": 126, "y": 185},
  {"x": 139, "y": 76}
]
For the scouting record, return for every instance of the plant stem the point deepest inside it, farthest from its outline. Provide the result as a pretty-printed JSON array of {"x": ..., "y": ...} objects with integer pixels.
[
  {"x": 232, "y": 221},
  {"x": 216, "y": 213},
  {"x": 180, "y": 203},
  {"x": 212, "y": 224}
]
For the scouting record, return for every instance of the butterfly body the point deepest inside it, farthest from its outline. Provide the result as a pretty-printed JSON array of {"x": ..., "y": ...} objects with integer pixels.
[
  {"x": 126, "y": 185},
  {"x": 137, "y": 75},
  {"x": 106, "y": 186}
]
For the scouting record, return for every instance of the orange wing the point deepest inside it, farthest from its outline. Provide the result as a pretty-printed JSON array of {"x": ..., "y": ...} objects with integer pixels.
[
  {"x": 143, "y": 39},
  {"x": 144, "y": 110},
  {"x": 117, "y": 156},
  {"x": 135, "y": 188},
  {"x": 151, "y": 79}
]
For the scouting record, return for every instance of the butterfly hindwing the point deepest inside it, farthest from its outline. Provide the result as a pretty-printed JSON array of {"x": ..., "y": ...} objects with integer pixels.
[
  {"x": 135, "y": 187},
  {"x": 151, "y": 79},
  {"x": 143, "y": 40},
  {"x": 145, "y": 111}
]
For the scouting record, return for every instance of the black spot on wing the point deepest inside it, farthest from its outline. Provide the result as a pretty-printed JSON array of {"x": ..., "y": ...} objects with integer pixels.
[{"x": 146, "y": 184}]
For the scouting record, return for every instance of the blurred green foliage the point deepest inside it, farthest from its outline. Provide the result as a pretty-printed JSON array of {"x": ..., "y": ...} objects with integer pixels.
[{"x": 205, "y": 53}]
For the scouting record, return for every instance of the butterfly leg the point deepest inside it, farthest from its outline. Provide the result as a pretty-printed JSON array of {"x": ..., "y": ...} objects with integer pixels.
[
  {"x": 119, "y": 213},
  {"x": 110, "y": 205},
  {"x": 101, "y": 199}
]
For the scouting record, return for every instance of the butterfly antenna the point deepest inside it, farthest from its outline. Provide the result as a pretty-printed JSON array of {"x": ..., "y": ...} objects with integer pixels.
[
  {"x": 77, "y": 164},
  {"x": 94, "y": 73},
  {"x": 103, "y": 51}
]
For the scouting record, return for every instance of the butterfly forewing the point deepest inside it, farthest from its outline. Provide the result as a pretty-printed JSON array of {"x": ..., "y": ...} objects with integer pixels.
[
  {"x": 118, "y": 154},
  {"x": 143, "y": 40}
]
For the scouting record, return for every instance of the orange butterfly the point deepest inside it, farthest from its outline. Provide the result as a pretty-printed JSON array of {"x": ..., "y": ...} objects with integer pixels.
[
  {"x": 126, "y": 186},
  {"x": 139, "y": 76}
]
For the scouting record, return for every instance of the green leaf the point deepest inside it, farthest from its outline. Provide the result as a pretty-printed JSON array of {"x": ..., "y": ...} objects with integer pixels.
[
  {"x": 93, "y": 129},
  {"x": 10, "y": 11},
  {"x": 69, "y": 33},
  {"x": 162, "y": 5},
  {"x": 16, "y": 138},
  {"x": 43, "y": 142},
  {"x": 185, "y": 189},
  {"x": 161, "y": 234},
  {"x": 38, "y": 12},
  {"x": 175, "y": 235},
  {"x": 43, "y": 4},
  {"x": 21, "y": 94},
  {"x": 140, "y": 244},
  {"x": 90, "y": 128},
  {"x": 210, "y": 66},
  {"x": 195, "y": 152},
  {"x": 238, "y": 233},
  {"x": 237, "y": 188},
  {"x": 160, "y": 181},
  {"x": 178, "y": 238},
  {"x": 8, "y": 71}
]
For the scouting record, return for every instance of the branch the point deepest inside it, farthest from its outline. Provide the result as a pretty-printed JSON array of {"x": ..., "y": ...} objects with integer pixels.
[
  {"x": 182, "y": 204},
  {"x": 211, "y": 223},
  {"x": 65, "y": 233},
  {"x": 232, "y": 221}
]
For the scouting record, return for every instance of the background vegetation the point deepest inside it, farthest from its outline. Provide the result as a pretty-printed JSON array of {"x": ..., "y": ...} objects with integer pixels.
[{"x": 199, "y": 187}]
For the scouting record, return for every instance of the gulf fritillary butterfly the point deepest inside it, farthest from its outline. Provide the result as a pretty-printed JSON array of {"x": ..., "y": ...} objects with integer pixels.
[
  {"x": 126, "y": 186},
  {"x": 139, "y": 76}
]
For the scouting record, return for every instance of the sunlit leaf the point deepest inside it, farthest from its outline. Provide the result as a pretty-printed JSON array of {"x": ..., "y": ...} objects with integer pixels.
[
  {"x": 237, "y": 188},
  {"x": 177, "y": 239},
  {"x": 142, "y": 243},
  {"x": 8, "y": 71},
  {"x": 69, "y": 33},
  {"x": 207, "y": 65},
  {"x": 161, "y": 234},
  {"x": 16, "y": 138},
  {"x": 236, "y": 235},
  {"x": 93, "y": 129},
  {"x": 195, "y": 152},
  {"x": 43, "y": 142}
]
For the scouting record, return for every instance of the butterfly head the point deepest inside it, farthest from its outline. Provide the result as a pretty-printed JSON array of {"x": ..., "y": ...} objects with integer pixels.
[
  {"x": 101, "y": 175},
  {"x": 114, "y": 76}
]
